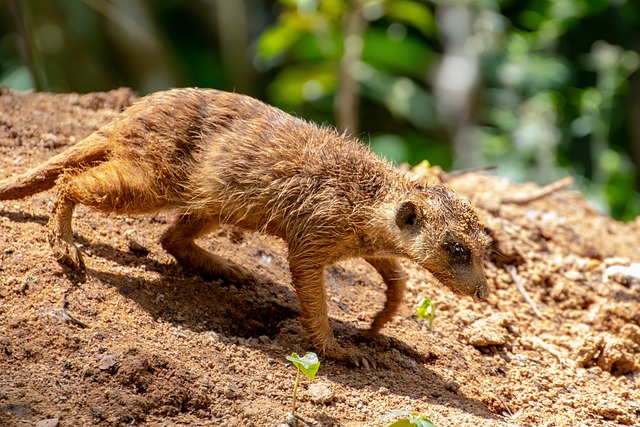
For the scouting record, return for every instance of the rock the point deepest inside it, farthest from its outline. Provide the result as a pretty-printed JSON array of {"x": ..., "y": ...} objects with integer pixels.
[
  {"x": 51, "y": 422},
  {"x": 467, "y": 317},
  {"x": 231, "y": 391},
  {"x": 320, "y": 393},
  {"x": 608, "y": 352},
  {"x": 487, "y": 331},
  {"x": 137, "y": 245},
  {"x": 5, "y": 345},
  {"x": 609, "y": 410},
  {"x": 452, "y": 386},
  {"x": 107, "y": 361},
  {"x": 629, "y": 272},
  {"x": 587, "y": 350},
  {"x": 293, "y": 421},
  {"x": 22, "y": 287},
  {"x": 631, "y": 332}
]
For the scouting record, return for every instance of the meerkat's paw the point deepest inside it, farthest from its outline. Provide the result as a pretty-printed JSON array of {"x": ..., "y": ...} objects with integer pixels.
[
  {"x": 228, "y": 271},
  {"x": 370, "y": 334},
  {"x": 237, "y": 274},
  {"x": 66, "y": 253},
  {"x": 351, "y": 357}
]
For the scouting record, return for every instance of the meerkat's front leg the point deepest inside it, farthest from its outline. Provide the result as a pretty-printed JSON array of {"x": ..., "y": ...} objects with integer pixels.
[{"x": 308, "y": 282}]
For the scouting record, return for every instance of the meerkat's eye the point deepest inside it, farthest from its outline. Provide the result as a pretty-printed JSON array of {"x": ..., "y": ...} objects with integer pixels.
[{"x": 458, "y": 251}]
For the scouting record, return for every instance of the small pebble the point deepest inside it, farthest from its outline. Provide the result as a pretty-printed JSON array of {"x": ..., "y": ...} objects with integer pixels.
[
  {"x": 231, "y": 391},
  {"x": 609, "y": 410},
  {"x": 320, "y": 393},
  {"x": 487, "y": 331},
  {"x": 467, "y": 317},
  {"x": 107, "y": 361},
  {"x": 51, "y": 422},
  {"x": 452, "y": 386},
  {"x": 137, "y": 245},
  {"x": 21, "y": 288}
]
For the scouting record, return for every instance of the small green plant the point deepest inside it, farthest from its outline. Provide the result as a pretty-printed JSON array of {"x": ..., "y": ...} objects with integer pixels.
[
  {"x": 408, "y": 419},
  {"x": 308, "y": 365},
  {"x": 426, "y": 310}
]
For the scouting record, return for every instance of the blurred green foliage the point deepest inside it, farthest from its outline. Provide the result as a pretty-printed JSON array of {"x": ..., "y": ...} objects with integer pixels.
[{"x": 542, "y": 88}]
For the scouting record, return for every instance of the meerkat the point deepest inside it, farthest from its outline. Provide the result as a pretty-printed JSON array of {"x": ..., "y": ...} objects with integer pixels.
[{"x": 225, "y": 158}]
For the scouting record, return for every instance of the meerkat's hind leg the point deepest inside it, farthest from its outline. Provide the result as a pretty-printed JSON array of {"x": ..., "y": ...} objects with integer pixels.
[
  {"x": 396, "y": 280},
  {"x": 113, "y": 186},
  {"x": 179, "y": 241},
  {"x": 60, "y": 233}
]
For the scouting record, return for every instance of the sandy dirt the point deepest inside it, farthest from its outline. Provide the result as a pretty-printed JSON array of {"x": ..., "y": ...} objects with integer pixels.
[{"x": 143, "y": 342}]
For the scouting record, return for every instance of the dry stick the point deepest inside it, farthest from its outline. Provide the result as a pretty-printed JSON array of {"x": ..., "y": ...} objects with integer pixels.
[
  {"x": 525, "y": 239},
  {"x": 554, "y": 352},
  {"x": 68, "y": 317},
  {"x": 503, "y": 402},
  {"x": 512, "y": 272},
  {"x": 347, "y": 101},
  {"x": 460, "y": 172},
  {"x": 523, "y": 198}
]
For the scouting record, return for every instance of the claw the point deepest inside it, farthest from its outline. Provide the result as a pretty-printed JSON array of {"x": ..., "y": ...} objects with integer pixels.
[
  {"x": 352, "y": 357},
  {"x": 67, "y": 253},
  {"x": 238, "y": 276},
  {"x": 355, "y": 361},
  {"x": 365, "y": 363}
]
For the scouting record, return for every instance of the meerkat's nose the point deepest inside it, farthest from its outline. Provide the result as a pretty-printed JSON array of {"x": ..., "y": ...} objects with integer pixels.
[{"x": 482, "y": 293}]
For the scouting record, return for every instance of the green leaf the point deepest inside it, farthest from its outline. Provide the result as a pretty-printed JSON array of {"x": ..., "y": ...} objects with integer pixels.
[
  {"x": 420, "y": 421},
  {"x": 411, "y": 55},
  {"x": 278, "y": 39},
  {"x": 410, "y": 419},
  {"x": 309, "y": 364},
  {"x": 426, "y": 310},
  {"x": 296, "y": 85},
  {"x": 415, "y": 14},
  {"x": 401, "y": 423},
  {"x": 392, "y": 147},
  {"x": 402, "y": 96}
]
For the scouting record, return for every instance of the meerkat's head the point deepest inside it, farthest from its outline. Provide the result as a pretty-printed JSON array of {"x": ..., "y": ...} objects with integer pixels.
[{"x": 441, "y": 232}]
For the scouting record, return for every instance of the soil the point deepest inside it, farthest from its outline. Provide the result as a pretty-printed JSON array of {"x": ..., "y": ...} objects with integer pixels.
[{"x": 143, "y": 342}]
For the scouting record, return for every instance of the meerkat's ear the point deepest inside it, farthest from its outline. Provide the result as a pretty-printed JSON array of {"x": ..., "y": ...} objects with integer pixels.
[{"x": 407, "y": 215}]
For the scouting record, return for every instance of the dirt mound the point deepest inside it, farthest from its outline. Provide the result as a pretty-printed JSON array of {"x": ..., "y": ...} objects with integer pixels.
[{"x": 144, "y": 343}]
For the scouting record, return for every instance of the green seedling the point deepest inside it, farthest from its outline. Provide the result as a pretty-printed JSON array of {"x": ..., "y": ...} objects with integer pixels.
[
  {"x": 408, "y": 419},
  {"x": 426, "y": 310},
  {"x": 308, "y": 365}
]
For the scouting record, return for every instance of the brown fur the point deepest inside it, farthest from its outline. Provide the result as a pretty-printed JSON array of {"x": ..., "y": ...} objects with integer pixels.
[{"x": 223, "y": 158}]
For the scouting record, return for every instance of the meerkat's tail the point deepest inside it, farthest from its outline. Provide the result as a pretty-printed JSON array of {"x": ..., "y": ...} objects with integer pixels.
[{"x": 90, "y": 151}]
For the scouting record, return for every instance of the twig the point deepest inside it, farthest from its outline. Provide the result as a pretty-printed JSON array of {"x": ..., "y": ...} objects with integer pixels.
[
  {"x": 347, "y": 98},
  {"x": 520, "y": 236},
  {"x": 460, "y": 172},
  {"x": 514, "y": 277},
  {"x": 503, "y": 402},
  {"x": 523, "y": 198},
  {"x": 552, "y": 351},
  {"x": 68, "y": 317}
]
